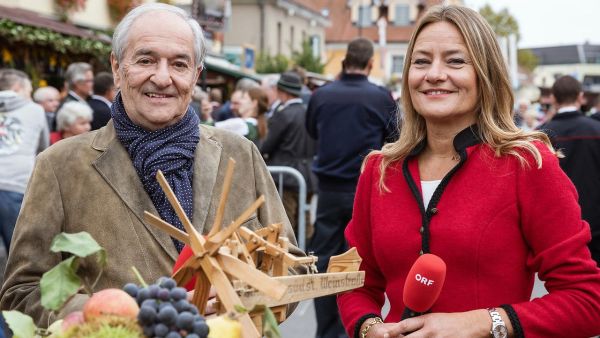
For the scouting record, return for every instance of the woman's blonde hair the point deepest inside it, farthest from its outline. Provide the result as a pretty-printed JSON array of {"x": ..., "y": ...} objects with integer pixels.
[{"x": 495, "y": 122}]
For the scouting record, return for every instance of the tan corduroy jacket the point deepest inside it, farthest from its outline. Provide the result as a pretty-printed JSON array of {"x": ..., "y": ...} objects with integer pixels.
[{"x": 88, "y": 183}]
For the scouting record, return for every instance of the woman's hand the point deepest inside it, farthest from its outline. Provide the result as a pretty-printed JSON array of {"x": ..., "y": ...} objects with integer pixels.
[
  {"x": 473, "y": 324},
  {"x": 212, "y": 300}
]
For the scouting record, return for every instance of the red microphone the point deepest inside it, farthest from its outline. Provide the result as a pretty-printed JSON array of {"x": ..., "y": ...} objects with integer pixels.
[{"x": 423, "y": 285}]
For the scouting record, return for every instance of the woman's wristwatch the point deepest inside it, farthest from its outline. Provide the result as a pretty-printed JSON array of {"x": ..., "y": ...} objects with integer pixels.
[
  {"x": 498, "y": 326},
  {"x": 373, "y": 321}
]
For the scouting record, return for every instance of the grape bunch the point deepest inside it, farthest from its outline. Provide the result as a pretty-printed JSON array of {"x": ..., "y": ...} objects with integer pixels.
[{"x": 165, "y": 311}]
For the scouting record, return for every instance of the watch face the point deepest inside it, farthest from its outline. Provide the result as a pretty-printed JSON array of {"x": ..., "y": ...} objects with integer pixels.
[{"x": 500, "y": 331}]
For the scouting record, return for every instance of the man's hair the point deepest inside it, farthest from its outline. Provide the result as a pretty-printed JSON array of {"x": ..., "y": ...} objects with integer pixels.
[
  {"x": 358, "y": 54},
  {"x": 10, "y": 77},
  {"x": 70, "y": 112},
  {"x": 43, "y": 93},
  {"x": 103, "y": 82},
  {"x": 244, "y": 84},
  {"x": 119, "y": 39},
  {"x": 76, "y": 72},
  {"x": 566, "y": 89}
]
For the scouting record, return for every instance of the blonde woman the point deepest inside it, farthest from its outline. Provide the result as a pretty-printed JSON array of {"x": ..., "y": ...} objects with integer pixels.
[{"x": 464, "y": 183}]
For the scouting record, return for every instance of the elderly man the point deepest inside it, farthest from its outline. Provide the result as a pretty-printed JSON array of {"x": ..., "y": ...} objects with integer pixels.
[
  {"x": 105, "y": 189},
  {"x": 80, "y": 81},
  {"x": 49, "y": 98}
]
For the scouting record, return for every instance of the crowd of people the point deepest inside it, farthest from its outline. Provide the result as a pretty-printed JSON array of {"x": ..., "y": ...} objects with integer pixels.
[{"x": 457, "y": 171}]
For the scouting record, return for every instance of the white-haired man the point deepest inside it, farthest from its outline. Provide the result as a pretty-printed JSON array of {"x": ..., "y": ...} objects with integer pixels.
[
  {"x": 49, "y": 98},
  {"x": 105, "y": 189}
]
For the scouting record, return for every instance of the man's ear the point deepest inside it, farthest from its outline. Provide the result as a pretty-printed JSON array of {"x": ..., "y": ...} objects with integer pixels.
[
  {"x": 114, "y": 65},
  {"x": 198, "y": 72},
  {"x": 581, "y": 99}
]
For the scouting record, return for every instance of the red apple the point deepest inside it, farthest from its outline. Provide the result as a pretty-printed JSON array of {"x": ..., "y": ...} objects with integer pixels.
[
  {"x": 110, "y": 302},
  {"x": 72, "y": 319}
]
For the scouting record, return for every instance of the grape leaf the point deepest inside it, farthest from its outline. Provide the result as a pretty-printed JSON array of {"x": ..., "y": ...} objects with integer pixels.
[
  {"x": 80, "y": 244},
  {"x": 60, "y": 283},
  {"x": 21, "y": 325}
]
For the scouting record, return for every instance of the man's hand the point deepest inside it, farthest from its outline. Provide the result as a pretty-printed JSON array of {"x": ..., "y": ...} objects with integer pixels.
[{"x": 212, "y": 300}]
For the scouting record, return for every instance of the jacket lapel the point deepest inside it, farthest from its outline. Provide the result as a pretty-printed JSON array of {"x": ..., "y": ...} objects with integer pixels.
[
  {"x": 125, "y": 182},
  {"x": 206, "y": 168}
]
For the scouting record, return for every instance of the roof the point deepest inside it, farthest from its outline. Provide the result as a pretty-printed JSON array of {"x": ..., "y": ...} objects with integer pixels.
[
  {"x": 569, "y": 54},
  {"x": 220, "y": 65},
  {"x": 342, "y": 30},
  {"x": 30, "y": 18}
]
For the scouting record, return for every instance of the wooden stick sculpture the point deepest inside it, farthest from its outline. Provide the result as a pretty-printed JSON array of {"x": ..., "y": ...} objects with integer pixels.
[{"x": 227, "y": 259}]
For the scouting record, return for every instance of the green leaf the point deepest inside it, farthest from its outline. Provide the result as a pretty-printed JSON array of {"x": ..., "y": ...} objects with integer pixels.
[
  {"x": 270, "y": 325},
  {"x": 59, "y": 284},
  {"x": 21, "y": 325},
  {"x": 81, "y": 244}
]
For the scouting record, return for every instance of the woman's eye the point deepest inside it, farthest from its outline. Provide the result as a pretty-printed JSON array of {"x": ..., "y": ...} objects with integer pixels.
[
  {"x": 456, "y": 61},
  {"x": 420, "y": 61}
]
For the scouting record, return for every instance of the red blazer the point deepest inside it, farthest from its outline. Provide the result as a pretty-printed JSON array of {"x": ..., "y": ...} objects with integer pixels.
[{"x": 497, "y": 223}]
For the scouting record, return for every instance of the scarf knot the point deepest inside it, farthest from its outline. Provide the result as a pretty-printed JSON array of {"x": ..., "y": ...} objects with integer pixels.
[{"x": 170, "y": 150}]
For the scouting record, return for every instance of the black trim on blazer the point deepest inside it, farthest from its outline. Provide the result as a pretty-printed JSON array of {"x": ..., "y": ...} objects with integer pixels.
[{"x": 514, "y": 320}]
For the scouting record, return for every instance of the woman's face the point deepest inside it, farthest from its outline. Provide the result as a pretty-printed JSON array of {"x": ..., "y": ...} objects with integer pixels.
[
  {"x": 441, "y": 79},
  {"x": 80, "y": 126},
  {"x": 247, "y": 106}
]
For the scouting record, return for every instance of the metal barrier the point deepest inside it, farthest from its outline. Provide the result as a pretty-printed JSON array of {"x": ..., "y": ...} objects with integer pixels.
[{"x": 303, "y": 207}]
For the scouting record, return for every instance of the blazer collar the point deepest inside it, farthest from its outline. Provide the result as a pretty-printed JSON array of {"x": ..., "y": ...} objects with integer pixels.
[
  {"x": 466, "y": 138},
  {"x": 115, "y": 167}
]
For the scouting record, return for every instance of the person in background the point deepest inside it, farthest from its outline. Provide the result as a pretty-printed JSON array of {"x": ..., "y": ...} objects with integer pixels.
[
  {"x": 216, "y": 98},
  {"x": 288, "y": 144},
  {"x": 73, "y": 118},
  {"x": 463, "y": 182},
  {"x": 348, "y": 117},
  {"x": 230, "y": 108},
  {"x": 79, "y": 79},
  {"x": 49, "y": 98},
  {"x": 578, "y": 138},
  {"x": 23, "y": 134},
  {"x": 103, "y": 181},
  {"x": 269, "y": 85},
  {"x": 305, "y": 93},
  {"x": 101, "y": 100}
]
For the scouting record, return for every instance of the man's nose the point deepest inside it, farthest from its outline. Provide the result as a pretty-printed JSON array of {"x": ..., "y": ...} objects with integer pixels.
[{"x": 162, "y": 76}]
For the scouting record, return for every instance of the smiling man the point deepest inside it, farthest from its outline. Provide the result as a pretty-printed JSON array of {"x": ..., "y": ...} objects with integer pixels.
[{"x": 107, "y": 186}]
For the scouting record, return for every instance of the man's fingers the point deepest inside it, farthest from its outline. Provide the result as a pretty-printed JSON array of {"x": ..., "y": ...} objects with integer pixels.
[{"x": 406, "y": 327}]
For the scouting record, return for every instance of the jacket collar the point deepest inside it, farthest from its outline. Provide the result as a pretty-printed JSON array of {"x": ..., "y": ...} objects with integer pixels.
[
  {"x": 466, "y": 138},
  {"x": 567, "y": 115},
  {"x": 114, "y": 165}
]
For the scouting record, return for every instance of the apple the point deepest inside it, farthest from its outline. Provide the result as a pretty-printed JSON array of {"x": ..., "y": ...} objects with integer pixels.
[{"x": 110, "y": 302}]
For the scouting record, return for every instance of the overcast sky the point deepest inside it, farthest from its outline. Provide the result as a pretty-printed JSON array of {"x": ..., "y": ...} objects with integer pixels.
[{"x": 551, "y": 22}]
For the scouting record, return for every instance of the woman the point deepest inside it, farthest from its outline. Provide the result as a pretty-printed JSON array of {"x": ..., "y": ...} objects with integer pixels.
[
  {"x": 73, "y": 118},
  {"x": 251, "y": 122},
  {"x": 464, "y": 183}
]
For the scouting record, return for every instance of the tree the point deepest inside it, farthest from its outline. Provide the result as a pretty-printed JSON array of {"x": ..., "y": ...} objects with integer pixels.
[
  {"x": 503, "y": 23},
  {"x": 266, "y": 64},
  {"x": 307, "y": 60},
  {"x": 527, "y": 60}
]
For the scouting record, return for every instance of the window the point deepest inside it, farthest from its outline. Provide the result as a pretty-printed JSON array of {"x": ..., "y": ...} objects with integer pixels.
[
  {"x": 402, "y": 16},
  {"x": 364, "y": 16},
  {"x": 397, "y": 64}
]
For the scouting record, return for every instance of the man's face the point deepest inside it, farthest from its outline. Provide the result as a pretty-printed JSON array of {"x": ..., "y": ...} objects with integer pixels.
[
  {"x": 158, "y": 73},
  {"x": 236, "y": 100},
  {"x": 51, "y": 102},
  {"x": 84, "y": 87}
]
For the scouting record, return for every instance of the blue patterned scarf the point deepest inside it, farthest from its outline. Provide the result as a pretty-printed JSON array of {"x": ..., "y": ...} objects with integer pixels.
[{"x": 170, "y": 150}]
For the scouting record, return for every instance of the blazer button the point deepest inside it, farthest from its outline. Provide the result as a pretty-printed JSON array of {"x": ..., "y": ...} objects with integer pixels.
[{"x": 434, "y": 211}]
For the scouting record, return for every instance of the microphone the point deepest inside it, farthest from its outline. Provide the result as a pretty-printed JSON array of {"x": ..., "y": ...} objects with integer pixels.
[{"x": 423, "y": 285}]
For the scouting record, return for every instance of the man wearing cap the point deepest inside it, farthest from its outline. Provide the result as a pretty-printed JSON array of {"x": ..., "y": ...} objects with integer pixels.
[{"x": 288, "y": 143}]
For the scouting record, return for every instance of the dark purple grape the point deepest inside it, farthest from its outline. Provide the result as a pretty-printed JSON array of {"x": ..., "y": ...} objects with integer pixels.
[
  {"x": 153, "y": 290},
  {"x": 148, "y": 330},
  {"x": 161, "y": 330},
  {"x": 168, "y": 283},
  {"x": 185, "y": 321},
  {"x": 131, "y": 289},
  {"x": 163, "y": 294},
  {"x": 200, "y": 328},
  {"x": 178, "y": 293},
  {"x": 199, "y": 318},
  {"x": 164, "y": 304},
  {"x": 147, "y": 315},
  {"x": 142, "y": 295},
  {"x": 153, "y": 303},
  {"x": 193, "y": 309},
  {"x": 192, "y": 335},
  {"x": 181, "y": 305},
  {"x": 167, "y": 315},
  {"x": 173, "y": 334}
]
